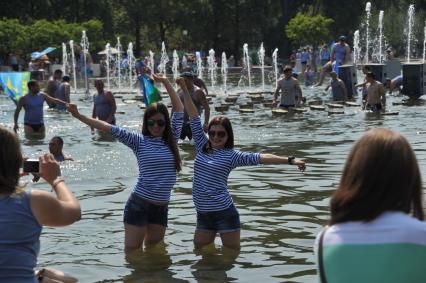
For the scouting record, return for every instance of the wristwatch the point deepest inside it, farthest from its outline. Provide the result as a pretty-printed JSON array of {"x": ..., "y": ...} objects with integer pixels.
[{"x": 291, "y": 159}]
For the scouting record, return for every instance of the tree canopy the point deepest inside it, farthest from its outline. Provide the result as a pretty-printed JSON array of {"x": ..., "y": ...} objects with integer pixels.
[{"x": 198, "y": 24}]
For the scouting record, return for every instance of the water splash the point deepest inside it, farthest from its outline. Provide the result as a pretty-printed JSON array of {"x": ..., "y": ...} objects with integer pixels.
[
  {"x": 275, "y": 63},
  {"x": 357, "y": 48},
  {"x": 163, "y": 60},
  {"x": 73, "y": 65},
  {"x": 224, "y": 71},
  {"x": 85, "y": 48},
  {"x": 175, "y": 65},
  {"x": 151, "y": 62},
  {"x": 367, "y": 23},
  {"x": 246, "y": 60},
  {"x": 64, "y": 59},
  {"x": 118, "y": 61},
  {"x": 108, "y": 63},
  {"x": 411, "y": 12},
  {"x": 261, "y": 55},
  {"x": 131, "y": 62},
  {"x": 211, "y": 60},
  {"x": 381, "y": 13},
  {"x": 184, "y": 62},
  {"x": 199, "y": 65},
  {"x": 424, "y": 43}
]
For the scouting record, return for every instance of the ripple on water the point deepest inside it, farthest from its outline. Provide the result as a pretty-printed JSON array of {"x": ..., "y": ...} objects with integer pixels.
[{"x": 281, "y": 209}]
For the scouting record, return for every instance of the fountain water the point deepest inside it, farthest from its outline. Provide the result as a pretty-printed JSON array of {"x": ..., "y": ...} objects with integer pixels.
[
  {"x": 64, "y": 59},
  {"x": 246, "y": 58},
  {"x": 108, "y": 63},
  {"x": 175, "y": 65},
  {"x": 151, "y": 62},
  {"x": 357, "y": 48},
  {"x": 199, "y": 64},
  {"x": 184, "y": 62},
  {"x": 163, "y": 60},
  {"x": 118, "y": 62},
  {"x": 85, "y": 49},
  {"x": 424, "y": 42},
  {"x": 410, "y": 30},
  {"x": 380, "y": 35},
  {"x": 261, "y": 55},
  {"x": 224, "y": 71},
  {"x": 131, "y": 61},
  {"x": 73, "y": 65},
  {"x": 367, "y": 23},
  {"x": 211, "y": 60},
  {"x": 275, "y": 62}
]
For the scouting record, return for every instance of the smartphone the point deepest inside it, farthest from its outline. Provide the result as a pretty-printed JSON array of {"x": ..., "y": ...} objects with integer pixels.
[{"x": 31, "y": 166}]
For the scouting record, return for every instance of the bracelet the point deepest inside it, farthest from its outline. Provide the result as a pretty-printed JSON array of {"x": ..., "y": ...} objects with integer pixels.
[
  {"x": 57, "y": 181},
  {"x": 290, "y": 160}
]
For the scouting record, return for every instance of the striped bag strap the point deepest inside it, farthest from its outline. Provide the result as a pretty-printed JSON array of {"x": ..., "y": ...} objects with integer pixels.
[{"x": 321, "y": 256}]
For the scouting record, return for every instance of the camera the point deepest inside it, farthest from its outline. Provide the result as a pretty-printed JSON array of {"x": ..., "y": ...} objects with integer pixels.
[{"x": 31, "y": 166}]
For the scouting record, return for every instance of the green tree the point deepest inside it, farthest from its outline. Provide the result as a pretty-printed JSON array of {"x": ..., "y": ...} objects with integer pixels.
[{"x": 303, "y": 30}]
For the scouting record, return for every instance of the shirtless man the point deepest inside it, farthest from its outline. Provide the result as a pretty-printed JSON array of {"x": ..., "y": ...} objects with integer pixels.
[{"x": 376, "y": 96}]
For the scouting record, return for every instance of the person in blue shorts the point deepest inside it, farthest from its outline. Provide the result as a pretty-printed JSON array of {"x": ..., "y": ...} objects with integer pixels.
[
  {"x": 157, "y": 154},
  {"x": 215, "y": 159}
]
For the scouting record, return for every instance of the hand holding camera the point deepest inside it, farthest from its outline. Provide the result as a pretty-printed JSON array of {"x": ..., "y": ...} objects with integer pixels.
[{"x": 46, "y": 166}]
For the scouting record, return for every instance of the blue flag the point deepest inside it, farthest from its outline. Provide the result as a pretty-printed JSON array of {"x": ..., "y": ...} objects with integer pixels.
[
  {"x": 14, "y": 84},
  {"x": 150, "y": 92}
]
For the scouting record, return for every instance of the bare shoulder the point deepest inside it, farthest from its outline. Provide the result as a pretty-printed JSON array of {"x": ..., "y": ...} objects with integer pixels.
[{"x": 200, "y": 93}]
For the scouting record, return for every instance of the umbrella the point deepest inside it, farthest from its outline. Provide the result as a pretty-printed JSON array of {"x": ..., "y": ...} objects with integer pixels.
[
  {"x": 36, "y": 55},
  {"x": 113, "y": 51}
]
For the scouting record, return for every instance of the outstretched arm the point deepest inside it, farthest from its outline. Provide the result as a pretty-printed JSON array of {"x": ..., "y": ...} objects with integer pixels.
[
  {"x": 177, "y": 105},
  {"x": 205, "y": 104},
  {"x": 189, "y": 104},
  {"x": 93, "y": 123},
  {"x": 51, "y": 99},
  {"x": 266, "y": 158}
]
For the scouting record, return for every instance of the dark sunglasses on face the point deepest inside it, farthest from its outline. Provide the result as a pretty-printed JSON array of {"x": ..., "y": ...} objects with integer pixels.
[
  {"x": 220, "y": 134},
  {"x": 160, "y": 122}
]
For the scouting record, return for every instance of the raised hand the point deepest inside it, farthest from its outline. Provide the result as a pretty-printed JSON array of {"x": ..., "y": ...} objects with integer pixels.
[
  {"x": 49, "y": 168},
  {"x": 300, "y": 164},
  {"x": 181, "y": 82},
  {"x": 159, "y": 78},
  {"x": 72, "y": 108}
]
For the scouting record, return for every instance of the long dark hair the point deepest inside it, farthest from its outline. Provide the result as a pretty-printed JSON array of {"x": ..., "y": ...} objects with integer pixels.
[
  {"x": 168, "y": 131},
  {"x": 226, "y": 123},
  {"x": 10, "y": 161},
  {"x": 381, "y": 174}
]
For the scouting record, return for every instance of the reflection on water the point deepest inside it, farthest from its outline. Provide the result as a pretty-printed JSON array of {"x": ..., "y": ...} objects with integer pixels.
[{"x": 281, "y": 209}]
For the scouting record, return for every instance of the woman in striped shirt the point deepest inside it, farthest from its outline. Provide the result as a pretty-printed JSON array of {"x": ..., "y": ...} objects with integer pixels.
[
  {"x": 372, "y": 237},
  {"x": 145, "y": 214},
  {"x": 215, "y": 159}
]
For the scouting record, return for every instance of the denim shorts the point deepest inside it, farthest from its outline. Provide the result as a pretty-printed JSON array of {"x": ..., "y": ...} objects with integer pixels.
[
  {"x": 140, "y": 212},
  {"x": 222, "y": 221}
]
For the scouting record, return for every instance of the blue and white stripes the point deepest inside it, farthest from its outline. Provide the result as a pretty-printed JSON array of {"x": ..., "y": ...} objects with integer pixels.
[
  {"x": 211, "y": 171},
  {"x": 157, "y": 171}
]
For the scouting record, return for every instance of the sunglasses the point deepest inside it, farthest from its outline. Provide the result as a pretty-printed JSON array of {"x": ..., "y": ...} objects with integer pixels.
[
  {"x": 160, "y": 122},
  {"x": 219, "y": 134}
]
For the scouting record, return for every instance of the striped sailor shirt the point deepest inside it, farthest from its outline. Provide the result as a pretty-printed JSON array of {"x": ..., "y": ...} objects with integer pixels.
[
  {"x": 390, "y": 248},
  {"x": 211, "y": 171},
  {"x": 157, "y": 171}
]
